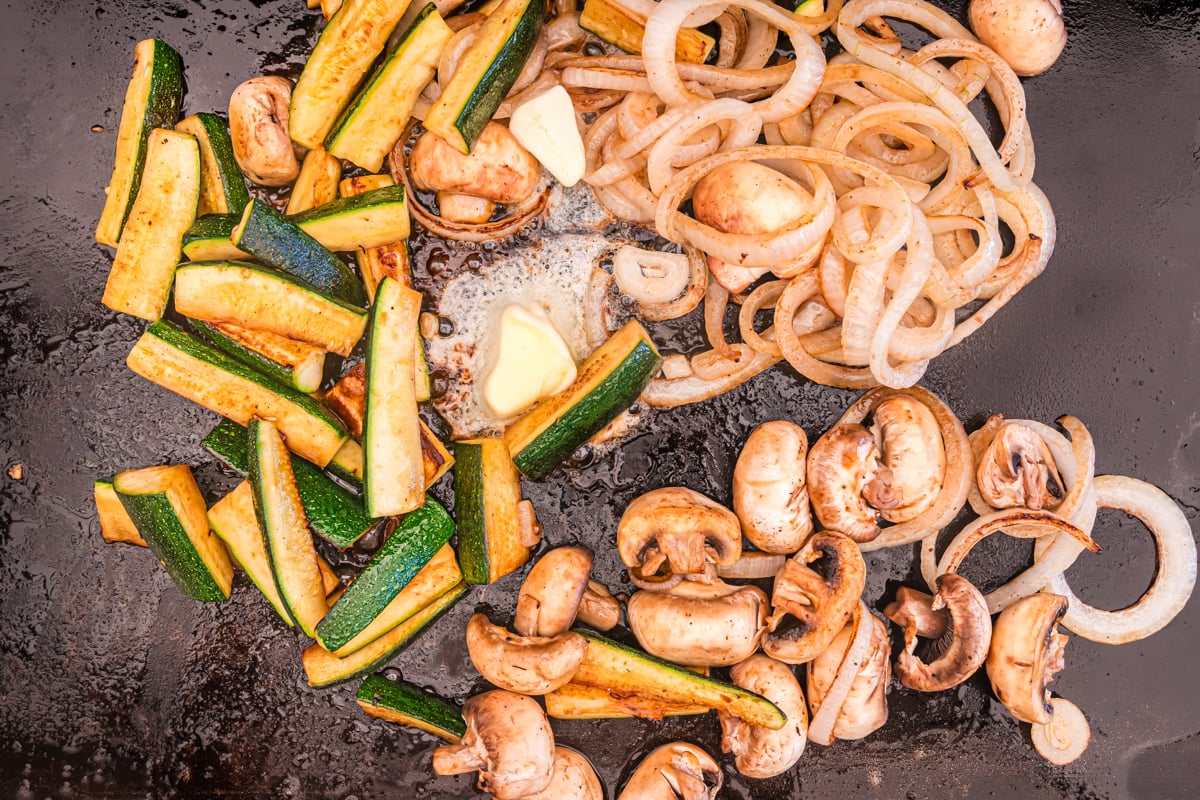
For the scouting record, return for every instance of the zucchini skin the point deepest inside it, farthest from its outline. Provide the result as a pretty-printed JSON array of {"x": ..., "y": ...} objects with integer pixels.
[
  {"x": 334, "y": 514},
  {"x": 411, "y": 545},
  {"x": 216, "y": 156},
  {"x": 327, "y": 215},
  {"x": 276, "y": 372},
  {"x": 617, "y": 392},
  {"x": 410, "y": 701},
  {"x": 208, "y": 239},
  {"x": 470, "y": 511},
  {"x": 268, "y": 235},
  {"x": 161, "y": 110}
]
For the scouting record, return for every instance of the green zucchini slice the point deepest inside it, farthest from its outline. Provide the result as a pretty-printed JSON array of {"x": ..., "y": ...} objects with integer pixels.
[
  {"x": 405, "y": 552},
  {"x": 374, "y": 122},
  {"x": 168, "y": 356},
  {"x": 344, "y": 53},
  {"x": 617, "y": 668},
  {"x": 487, "y": 493},
  {"x": 347, "y": 464},
  {"x": 271, "y": 237},
  {"x": 222, "y": 187},
  {"x": 323, "y": 668},
  {"x": 232, "y": 518},
  {"x": 394, "y": 473},
  {"x": 436, "y": 578},
  {"x": 166, "y": 506},
  {"x": 115, "y": 524},
  {"x": 259, "y": 297},
  {"x": 486, "y": 71},
  {"x": 289, "y": 542},
  {"x": 576, "y": 701},
  {"x": 608, "y": 382},
  {"x": 292, "y": 363},
  {"x": 334, "y": 514},
  {"x": 152, "y": 100},
  {"x": 396, "y": 701},
  {"x": 139, "y": 282},
  {"x": 370, "y": 219},
  {"x": 208, "y": 239}
]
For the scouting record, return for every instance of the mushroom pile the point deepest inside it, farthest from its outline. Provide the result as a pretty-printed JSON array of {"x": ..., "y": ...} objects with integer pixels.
[{"x": 894, "y": 470}]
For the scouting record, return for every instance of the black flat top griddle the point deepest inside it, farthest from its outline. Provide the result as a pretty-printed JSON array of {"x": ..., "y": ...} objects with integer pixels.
[{"x": 114, "y": 685}]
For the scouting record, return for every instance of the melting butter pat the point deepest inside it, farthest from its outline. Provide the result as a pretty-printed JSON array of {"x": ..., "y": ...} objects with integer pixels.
[{"x": 532, "y": 362}]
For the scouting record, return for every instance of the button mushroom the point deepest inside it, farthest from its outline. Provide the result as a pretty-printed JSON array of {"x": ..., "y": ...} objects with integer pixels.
[
  {"x": 552, "y": 591},
  {"x": 863, "y": 708},
  {"x": 1027, "y": 652},
  {"x": 258, "y": 128},
  {"x": 508, "y": 740},
  {"x": 914, "y": 455},
  {"x": 759, "y": 752},
  {"x": 497, "y": 170},
  {"x": 770, "y": 492},
  {"x": 675, "y": 771},
  {"x": 958, "y": 650},
  {"x": 573, "y": 779},
  {"x": 599, "y": 608},
  {"x": 1028, "y": 34},
  {"x": 841, "y": 468},
  {"x": 810, "y": 606},
  {"x": 1017, "y": 470},
  {"x": 523, "y": 664},
  {"x": 672, "y": 533},
  {"x": 703, "y": 625}
]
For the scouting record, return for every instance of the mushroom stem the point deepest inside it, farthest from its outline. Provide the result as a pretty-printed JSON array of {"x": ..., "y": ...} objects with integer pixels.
[{"x": 455, "y": 759}]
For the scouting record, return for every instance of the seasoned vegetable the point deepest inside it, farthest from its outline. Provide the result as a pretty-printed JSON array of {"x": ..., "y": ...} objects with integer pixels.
[
  {"x": 291, "y": 363},
  {"x": 317, "y": 182},
  {"x": 115, "y": 524},
  {"x": 222, "y": 187},
  {"x": 492, "y": 539},
  {"x": 405, "y": 704}
]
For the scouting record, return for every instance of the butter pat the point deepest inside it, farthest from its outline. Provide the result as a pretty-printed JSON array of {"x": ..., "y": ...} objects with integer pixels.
[
  {"x": 532, "y": 362},
  {"x": 546, "y": 127}
]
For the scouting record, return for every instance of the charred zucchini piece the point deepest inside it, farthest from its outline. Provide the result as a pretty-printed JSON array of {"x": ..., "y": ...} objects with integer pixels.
[
  {"x": 576, "y": 701},
  {"x": 292, "y": 363},
  {"x": 386, "y": 260},
  {"x": 115, "y": 524},
  {"x": 222, "y": 187},
  {"x": 619, "y": 25},
  {"x": 370, "y": 219},
  {"x": 317, "y": 182},
  {"x": 232, "y": 519},
  {"x": 487, "y": 495},
  {"x": 403, "y": 703},
  {"x": 208, "y": 239}
]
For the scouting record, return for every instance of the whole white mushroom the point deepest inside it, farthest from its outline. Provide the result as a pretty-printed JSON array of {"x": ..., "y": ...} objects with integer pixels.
[{"x": 1028, "y": 34}]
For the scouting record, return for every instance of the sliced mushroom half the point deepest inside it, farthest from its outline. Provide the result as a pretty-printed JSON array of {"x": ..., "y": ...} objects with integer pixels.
[
  {"x": 672, "y": 533},
  {"x": 814, "y": 596},
  {"x": 675, "y": 771},
  {"x": 958, "y": 650},
  {"x": 698, "y": 624},
  {"x": 759, "y": 752},
  {"x": 508, "y": 740},
  {"x": 550, "y": 596},
  {"x": 914, "y": 455},
  {"x": 1018, "y": 471},
  {"x": 842, "y": 467},
  {"x": 573, "y": 779},
  {"x": 523, "y": 664},
  {"x": 770, "y": 488},
  {"x": 1027, "y": 652}
]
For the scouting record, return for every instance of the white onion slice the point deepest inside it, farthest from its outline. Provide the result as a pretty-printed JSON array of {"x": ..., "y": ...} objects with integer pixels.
[
  {"x": 824, "y": 718},
  {"x": 1064, "y": 738},
  {"x": 649, "y": 276},
  {"x": 753, "y": 565}
]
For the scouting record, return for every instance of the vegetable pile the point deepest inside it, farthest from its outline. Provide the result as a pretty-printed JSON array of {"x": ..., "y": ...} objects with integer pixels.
[{"x": 864, "y": 185}]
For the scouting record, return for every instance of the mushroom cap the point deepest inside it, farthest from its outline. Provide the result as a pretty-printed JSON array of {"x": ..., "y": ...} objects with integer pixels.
[
  {"x": 1026, "y": 653},
  {"x": 914, "y": 455},
  {"x": 1017, "y": 470},
  {"x": 770, "y": 489},
  {"x": 746, "y": 197},
  {"x": 865, "y": 709},
  {"x": 701, "y": 625},
  {"x": 841, "y": 465},
  {"x": 820, "y": 602},
  {"x": 497, "y": 168},
  {"x": 508, "y": 739},
  {"x": 550, "y": 596},
  {"x": 759, "y": 752},
  {"x": 685, "y": 528},
  {"x": 960, "y": 650},
  {"x": 523, "y": 664},
  {"x": 573, "y": 779},
  {"x": 258, "y": 130},
  {"x": 673, "y": 771},
  {"x": 1028, "y": 34}
]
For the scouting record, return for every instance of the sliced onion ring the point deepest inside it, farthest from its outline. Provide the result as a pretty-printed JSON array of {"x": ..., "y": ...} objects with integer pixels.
[
  {"x": 1064, "y": 738},
  {"x": 1018, "y": 522},
  {"x": 753, "y": 565},
  {"x": 824, "y": 720}
]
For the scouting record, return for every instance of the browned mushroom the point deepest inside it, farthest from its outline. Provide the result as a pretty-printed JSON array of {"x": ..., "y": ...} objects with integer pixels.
[
  {"x": 914, "y": 455},
  {"x": 552, "y": 591},
  {"x": 863, "y": 705},
  {"x": 258, "y": 129},
  {"x": 841, "y": 467},
  {"x": 811, "y": 605},
  {"x": 599, "y": 608},
  {"x": 759, "y": 752},
  {"x": 573, "y": 779},
  {"x": 675, "y": 771},
  {"x": 700, "y": 624},
  {"x": 674, "y": 532},
  {"x": 508, "y": 740},
  {"x": 1027, "y": 652},
  {"x": 1017, "y": 470},
  {"x": 770, "y": 492},
  {"x": 961, "y": 647},
  {"x": 523, "y": 664},
  {"x": 497, "y": 170}
]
